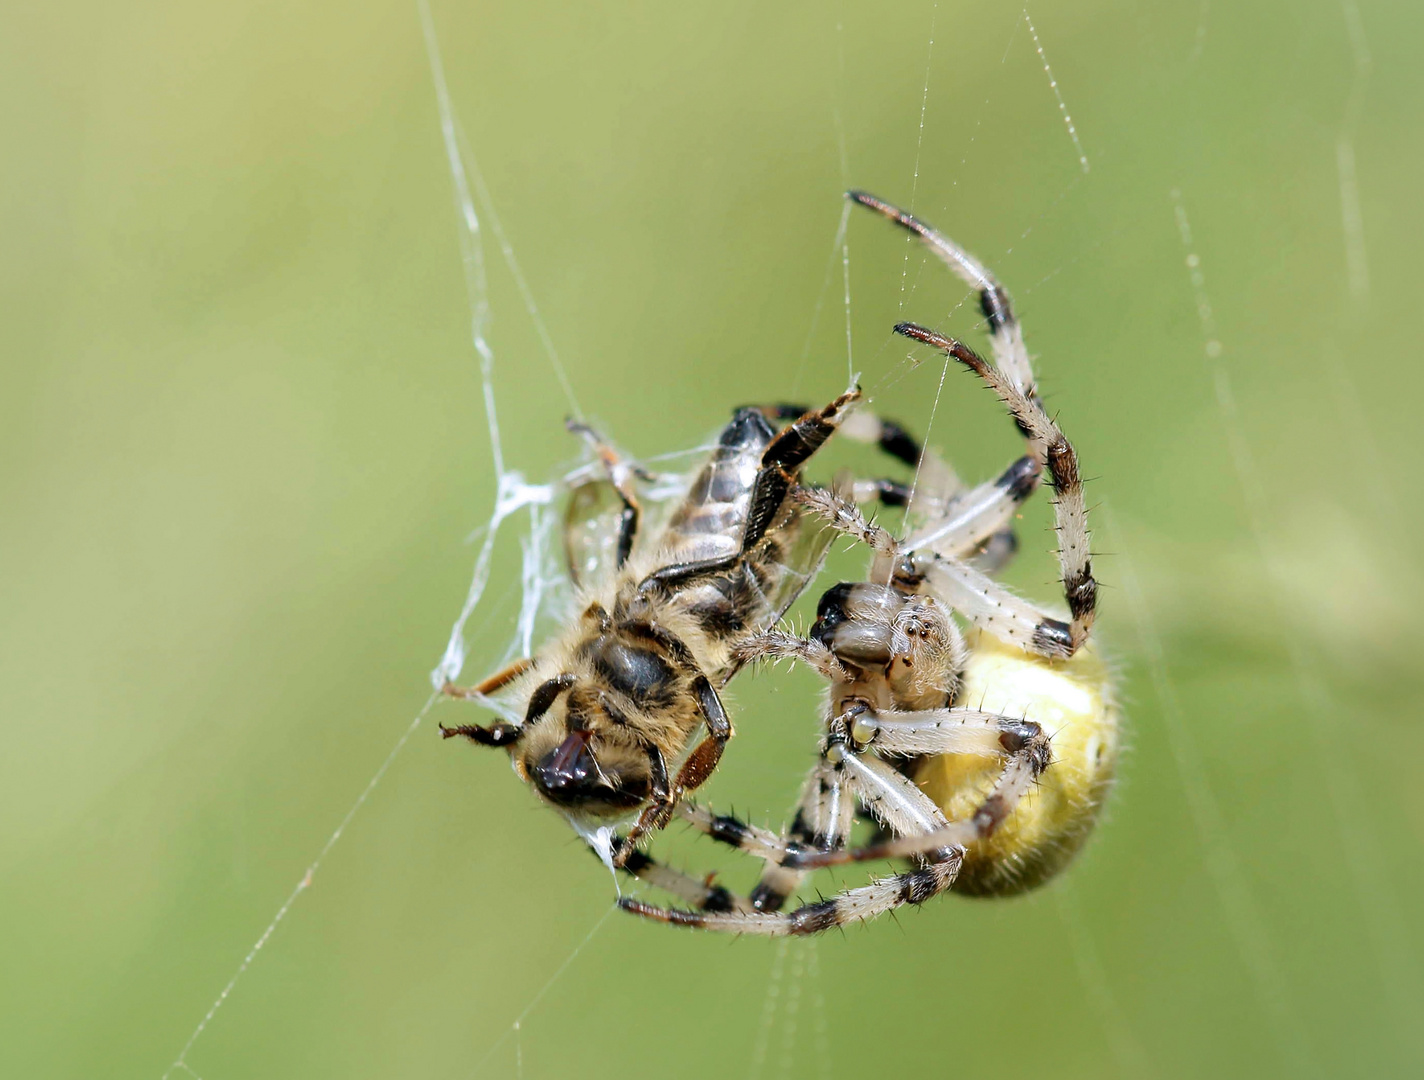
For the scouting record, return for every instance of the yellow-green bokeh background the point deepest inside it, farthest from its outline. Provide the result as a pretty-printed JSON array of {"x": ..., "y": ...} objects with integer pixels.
[{"x": 243, "y": 444}]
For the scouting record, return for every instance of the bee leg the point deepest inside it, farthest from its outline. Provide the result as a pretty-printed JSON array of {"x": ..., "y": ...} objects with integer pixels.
[
  {"x": 782, "y": 459},
  {"x": 621, "y": 475},
  {"x": 498, "y": 681},
  {"x": 500, "y": 734},
  {"x": 702, "y": 762},
  {"x": 656, "y": 814}
]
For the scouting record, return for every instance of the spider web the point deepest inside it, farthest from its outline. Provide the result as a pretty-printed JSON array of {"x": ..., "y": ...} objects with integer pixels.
[{"x": 794, "y": 1002}]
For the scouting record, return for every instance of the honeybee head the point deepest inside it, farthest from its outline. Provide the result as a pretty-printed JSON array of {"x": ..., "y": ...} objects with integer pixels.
[{"x": 576, "y": 755}]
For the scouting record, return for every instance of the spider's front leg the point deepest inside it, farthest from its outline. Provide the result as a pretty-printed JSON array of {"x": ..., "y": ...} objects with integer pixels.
[
  {"x": 841, "y": 778},
  {"x": 971, "y": 592},
  {"x": 1070, "y": 511}
]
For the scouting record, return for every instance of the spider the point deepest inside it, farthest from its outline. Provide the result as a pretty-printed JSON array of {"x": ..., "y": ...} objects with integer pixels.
[{"x": 983, "y": 758}]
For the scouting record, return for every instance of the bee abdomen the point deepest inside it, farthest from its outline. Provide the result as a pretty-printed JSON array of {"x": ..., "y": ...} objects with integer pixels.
[{"x": 710, "y": 521}]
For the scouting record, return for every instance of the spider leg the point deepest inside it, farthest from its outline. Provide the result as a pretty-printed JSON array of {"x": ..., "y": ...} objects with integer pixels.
[
  {"x": 862, "y": 904},
  {"x": 780, "y": 465},
  {"x": 823, "y": 818},
  {"x": 976, "y": 516},
  {"x": 699, "y": 893},
  {"x": 897, "y": 804},
  {"x": 1010, "y": 353},
  {"x": 780, "y": 645},
  {"x": 1029, "y": 754},
  {"x": 1005, "y": 335},
  {"x": 1070, "y": 511},
  {"x": 943, "y": 731},
  {"x": 971, "y": 592}
]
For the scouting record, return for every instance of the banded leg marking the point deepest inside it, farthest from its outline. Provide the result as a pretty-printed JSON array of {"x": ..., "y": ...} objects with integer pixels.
[
  {"x": 1029, "y": 754},
  {"x": 1069, "y": 509},
  {"x": 1010, "y": 353},
  {"x": 702, "y": 894},
  {"x": 976, "y": 516},
  {"x": 862, "y": 904}
]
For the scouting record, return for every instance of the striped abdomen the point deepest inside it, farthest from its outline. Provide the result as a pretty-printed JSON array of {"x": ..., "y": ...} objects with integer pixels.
[{"x": 710, "y": 524}]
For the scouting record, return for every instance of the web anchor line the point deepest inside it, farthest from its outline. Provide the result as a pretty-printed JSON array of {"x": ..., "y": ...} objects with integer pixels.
[
  {"x": 512, "y": 494},
  {"x": 181, "y": 1061},
  {"x": 1058, "y": 94}
]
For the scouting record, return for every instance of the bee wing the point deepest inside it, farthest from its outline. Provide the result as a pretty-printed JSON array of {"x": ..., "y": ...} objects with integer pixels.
[{"x": 591, "y": 524}]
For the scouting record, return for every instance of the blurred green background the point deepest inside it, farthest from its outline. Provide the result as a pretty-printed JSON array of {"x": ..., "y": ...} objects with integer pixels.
[{"x": 243, "y": 445}]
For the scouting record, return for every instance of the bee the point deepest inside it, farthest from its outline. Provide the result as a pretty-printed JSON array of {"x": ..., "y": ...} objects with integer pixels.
[
  {"x": 982, "y": 755},
  {"x": 619, "y": 717}
]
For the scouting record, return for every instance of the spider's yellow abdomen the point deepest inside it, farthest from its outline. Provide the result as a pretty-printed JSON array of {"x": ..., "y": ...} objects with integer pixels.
[{"x": 1072, "y": 700}]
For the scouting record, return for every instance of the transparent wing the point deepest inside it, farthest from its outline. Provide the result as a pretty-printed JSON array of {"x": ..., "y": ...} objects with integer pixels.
[{"x": 591, "y": 522}]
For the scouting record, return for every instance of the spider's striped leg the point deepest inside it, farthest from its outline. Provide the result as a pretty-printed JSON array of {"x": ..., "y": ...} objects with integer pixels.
[
  {"x": 899, "y": 807},
  {"x": 966, "y": 589},
  {"x": 979, "y": 515},
  {"x": 822, "y": 821},
  {"x": 853, "y": 905},
  {"x": 1010, "y": 353},
  {"x": 1069, "y": 509},
  {"x": 1024, "y": 743},
  {"x": 896, "y": 802},
  {"x": 698, "y": 893},
  {"x": 1005, "y": 334}
]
